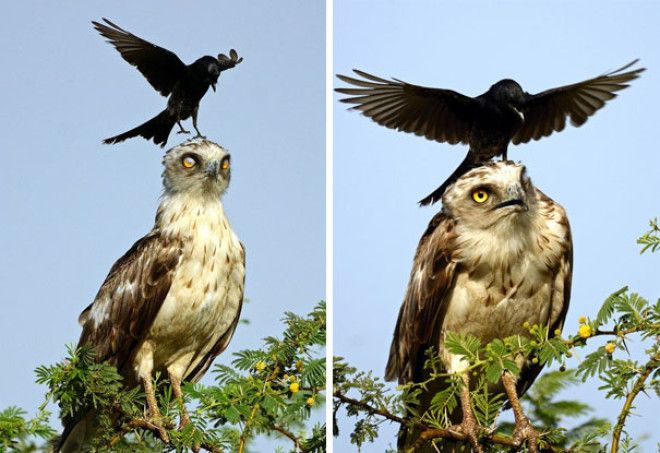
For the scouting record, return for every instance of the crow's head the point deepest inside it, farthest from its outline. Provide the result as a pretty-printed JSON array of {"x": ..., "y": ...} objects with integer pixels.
[{"x": 507, "y": 91}]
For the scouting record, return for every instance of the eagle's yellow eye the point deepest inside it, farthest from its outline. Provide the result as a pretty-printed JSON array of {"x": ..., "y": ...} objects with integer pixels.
[
  {"x": 188, "y": 162},
  {"x": 225, "y": 164},
  {"x": 480, "y": 196}
]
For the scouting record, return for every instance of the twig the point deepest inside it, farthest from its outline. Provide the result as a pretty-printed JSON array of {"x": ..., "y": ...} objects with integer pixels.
[
  {"x": 617, "y": 333},
  {"x": 438, "y": 433},
  {"x": 291, "y": 436},
  {"x": 372, "y": 410},
  {"x": 245, "y": 432},
  {"x": 145, "y": 424},
  {"x": 625, "y": 411},
  {"x": 428, "y": 433}
]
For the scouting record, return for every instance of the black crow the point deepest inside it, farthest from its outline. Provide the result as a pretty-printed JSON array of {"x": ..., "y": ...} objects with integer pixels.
[
  {"x": 487, "y": 123},
  {"x": 184, "y": 84}
]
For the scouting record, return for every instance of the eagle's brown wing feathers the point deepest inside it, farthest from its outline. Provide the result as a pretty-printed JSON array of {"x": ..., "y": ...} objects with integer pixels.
[
  {"x": 435, "y": 113},
  {"x": 431, "y": 278},
  {"x": 129, "y": 299}
]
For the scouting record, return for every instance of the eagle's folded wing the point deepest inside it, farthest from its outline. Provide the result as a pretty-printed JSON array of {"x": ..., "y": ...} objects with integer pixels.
[{"x": 130, "y": 298}]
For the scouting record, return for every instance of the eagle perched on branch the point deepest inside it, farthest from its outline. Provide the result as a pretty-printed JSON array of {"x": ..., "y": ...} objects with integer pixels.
[
  {"x": 497, "y": 256},
  {"x": 172, "y": 302}
]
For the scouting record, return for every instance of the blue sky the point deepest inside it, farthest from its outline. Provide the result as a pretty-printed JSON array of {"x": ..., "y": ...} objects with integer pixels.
[
  {"x": 605, "y": 173},
  {"x": 71, "y": 206}
]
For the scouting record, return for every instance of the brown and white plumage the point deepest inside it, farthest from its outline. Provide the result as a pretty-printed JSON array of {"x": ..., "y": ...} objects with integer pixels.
[
  {"x": 484, "y": 269},
  {"x": 172, "y": 302}
]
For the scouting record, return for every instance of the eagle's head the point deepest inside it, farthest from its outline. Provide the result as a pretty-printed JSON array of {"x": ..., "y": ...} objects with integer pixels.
[
  {"x": 498, "y": 194},
  {"x": 197, "y": 167}
]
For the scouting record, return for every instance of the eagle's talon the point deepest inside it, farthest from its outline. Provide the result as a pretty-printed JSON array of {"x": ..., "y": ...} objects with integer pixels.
[
  {"x": 162, "y": 433},
  {"x": 525, "y": 432},
  {"x": 155, "y": 423},
  {"x": 471, "y": 429},
  {"x": 183, "y": 131},
  {"x": 184, "y": 421}
]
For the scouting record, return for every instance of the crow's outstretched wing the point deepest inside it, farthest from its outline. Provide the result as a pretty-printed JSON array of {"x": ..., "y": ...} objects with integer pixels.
[
  {"x": 546, "y": 112},
  {"x": 435, "y": 113},
  {"x": 159, "y": 66}
]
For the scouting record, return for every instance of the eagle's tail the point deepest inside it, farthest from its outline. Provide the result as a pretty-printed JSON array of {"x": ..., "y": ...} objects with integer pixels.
[
  {"x": 77, "y": 435},
  {"x": 157, "y": 128},
  {"x": 465, "y": 166}
]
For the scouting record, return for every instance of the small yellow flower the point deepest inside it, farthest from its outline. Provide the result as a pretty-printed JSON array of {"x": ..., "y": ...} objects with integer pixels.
[
  {"x": 610, "y": 347},
  {"x": 285, "y": 377},
  {"x": 535, "y": 360},
  {"x": 299, "y": 365},
  {"x": 584, "y": 331},
  {"x": 310, "y": 401},
  {"x": 557, "y": 332},
  {"x": 526, "y": 325},
  {"x": 582, "y": 319},
  {"x": 294, "y": 387},
  {"x": 261, "y": 365}
]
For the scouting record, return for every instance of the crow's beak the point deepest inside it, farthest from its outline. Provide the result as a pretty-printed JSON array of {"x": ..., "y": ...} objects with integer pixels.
[
  {"x": 211, "y": 169},
  {"x": 213, "y": 86}
]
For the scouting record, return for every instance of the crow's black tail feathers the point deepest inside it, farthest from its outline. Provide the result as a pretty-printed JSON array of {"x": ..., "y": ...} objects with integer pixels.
[
  {"x": 157, "y": 128},
  {"x": 228, "y": 62},
  {"x": 467, "y": 165}
]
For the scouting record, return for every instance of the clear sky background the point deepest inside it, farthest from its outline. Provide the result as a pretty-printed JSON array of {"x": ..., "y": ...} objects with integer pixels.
[
  {"x": 605, "y": 173},
  {"x": 70, "y": 206}
]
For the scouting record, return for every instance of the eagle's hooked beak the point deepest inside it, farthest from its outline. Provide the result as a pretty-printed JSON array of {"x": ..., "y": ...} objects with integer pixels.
[
  {"x": 211, "y": 169},
  {"x": 516, "y": 197}
]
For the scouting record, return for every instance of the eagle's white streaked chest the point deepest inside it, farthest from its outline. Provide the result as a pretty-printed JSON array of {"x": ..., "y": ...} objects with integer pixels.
[
  {"x": 207, "y": 286},
  {"x": 504, "y": 281}
]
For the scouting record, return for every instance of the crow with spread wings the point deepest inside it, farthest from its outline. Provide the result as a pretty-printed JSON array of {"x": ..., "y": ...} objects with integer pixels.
[
  {"x": 184, "y": 84},
  {"x": 487, "y": 123}
]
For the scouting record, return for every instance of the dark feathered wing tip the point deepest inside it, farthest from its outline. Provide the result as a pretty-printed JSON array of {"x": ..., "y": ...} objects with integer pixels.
[
  {"x": 633, "y": 74},
  {"x": 227, "y": 62},
  {"x": 367, "y": 84},
  {"x": 369, "y": 91}
]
